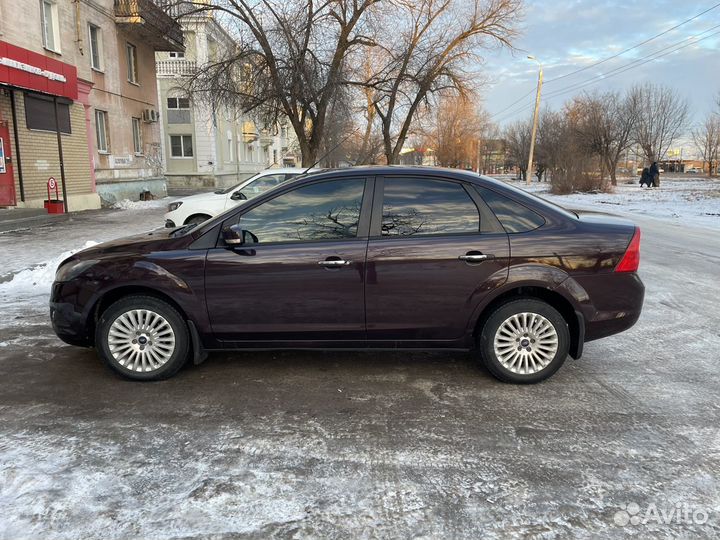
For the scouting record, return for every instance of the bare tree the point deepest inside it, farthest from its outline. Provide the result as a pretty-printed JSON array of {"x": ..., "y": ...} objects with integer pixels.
[
  {"x": 662, "y": 117},
  {"x": 707, "y": 141},
  {"x": 517, "y": 144},
  {"x": 427, "y": 47},
  {"x": 604, "y": 125},
  {"x": 456, "y": 127},
  {"x": 290, "y": 60}
]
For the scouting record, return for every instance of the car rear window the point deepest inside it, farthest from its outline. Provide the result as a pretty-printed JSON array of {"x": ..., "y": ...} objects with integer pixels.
[{"x": 514, "y": 217}]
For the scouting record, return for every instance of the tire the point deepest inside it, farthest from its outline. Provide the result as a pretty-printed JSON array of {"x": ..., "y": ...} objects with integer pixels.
[
  {"x": 197, "y": 218},
  {"x": 538, "y": 359},
  {"x": 135, "y": 322}
]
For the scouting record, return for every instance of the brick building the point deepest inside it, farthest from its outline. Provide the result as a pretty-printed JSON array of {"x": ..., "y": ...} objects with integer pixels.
[{"x": 93, "y": 61}]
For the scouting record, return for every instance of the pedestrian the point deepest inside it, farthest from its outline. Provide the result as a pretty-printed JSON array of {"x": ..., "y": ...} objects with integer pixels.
[
  {"x": 655, "y": 174},
  {"x": 645, "y": 178}
]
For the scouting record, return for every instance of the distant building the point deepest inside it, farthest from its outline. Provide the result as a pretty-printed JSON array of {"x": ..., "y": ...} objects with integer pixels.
[
  {"x": 95, "y": 60},
  {"x": 205, "y": 147}
]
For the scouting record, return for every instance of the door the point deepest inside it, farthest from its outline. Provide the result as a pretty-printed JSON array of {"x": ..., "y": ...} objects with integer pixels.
[
  {"x": 435, "y": 251},
  {"x": 7, "y": 181},
  {"x": 299, "y": 276}
]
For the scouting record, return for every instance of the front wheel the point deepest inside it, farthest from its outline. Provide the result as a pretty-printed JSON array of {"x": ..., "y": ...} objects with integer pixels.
[
  {"x": 524, "y": 341},
  {"x": 143, "y": 338}
]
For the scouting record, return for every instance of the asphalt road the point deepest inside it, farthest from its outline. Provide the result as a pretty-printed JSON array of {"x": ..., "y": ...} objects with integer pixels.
[{"x": 380, "y": 445}]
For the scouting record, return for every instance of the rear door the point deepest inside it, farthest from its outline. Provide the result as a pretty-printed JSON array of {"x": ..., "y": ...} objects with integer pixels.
[
  {"x": 300, "y": 274},
  {"x": 434, "y": 253},
  {"x": 7, "y": 182}
]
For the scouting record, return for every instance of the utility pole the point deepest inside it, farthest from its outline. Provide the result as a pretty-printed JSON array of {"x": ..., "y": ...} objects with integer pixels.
[{"x": 535, "y": 119}]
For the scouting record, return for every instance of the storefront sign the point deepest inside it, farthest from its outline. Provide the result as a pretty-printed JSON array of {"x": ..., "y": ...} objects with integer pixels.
[{"x": 27, "y": 69}]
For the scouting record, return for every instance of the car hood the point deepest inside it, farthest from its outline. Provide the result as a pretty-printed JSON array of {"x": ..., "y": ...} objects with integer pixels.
[
  {"x": 136, "y": 244},
  {"x": 201, "y": 197}
]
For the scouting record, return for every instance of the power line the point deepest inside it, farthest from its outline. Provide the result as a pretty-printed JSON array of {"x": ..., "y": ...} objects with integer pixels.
[
  {"x": 634, "y": 46},
  {"x": 621, "y": 69},
  {"x": 637, "y": 63},
  {"x": 604, "y": 76}
]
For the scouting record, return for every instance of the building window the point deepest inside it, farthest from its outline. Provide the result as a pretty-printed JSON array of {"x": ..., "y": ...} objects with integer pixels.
[
  {"x": 101, "y": 130},
  {"x": 137, "y": 135},
  {"x": 132, "y": 64},
  {"x": 181, "y": 146},
  {"x": 229, "y": 146},
  {"x": 50, "y": 29},
  {"x": 178, "y": 110},
  {"x": 40, "y": 113},
  {"x": 95, "y": 40},
  {"x": 177, "y": 55},
  {"x": 178, "y": 103}
]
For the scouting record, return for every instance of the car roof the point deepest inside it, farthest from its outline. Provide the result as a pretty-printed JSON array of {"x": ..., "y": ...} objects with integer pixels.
[
  {"x": 381, "y": 170},
  {"x": 285, "y": 170}
]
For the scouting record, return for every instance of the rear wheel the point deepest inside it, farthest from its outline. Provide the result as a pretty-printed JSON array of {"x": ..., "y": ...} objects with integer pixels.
[
  {"x": 524, "y": 341},
  {"x": 197, "y": 219},
  {"x": 143, "y": 338}
]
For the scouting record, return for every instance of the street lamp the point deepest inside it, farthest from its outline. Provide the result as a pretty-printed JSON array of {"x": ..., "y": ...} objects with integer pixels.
[{"x": 535, "y": 118}]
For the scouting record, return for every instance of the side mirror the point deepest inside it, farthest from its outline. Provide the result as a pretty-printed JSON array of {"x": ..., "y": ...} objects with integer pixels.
[
  {"x": 238, "y": 196},
  {"x": 233, "y": 235}
]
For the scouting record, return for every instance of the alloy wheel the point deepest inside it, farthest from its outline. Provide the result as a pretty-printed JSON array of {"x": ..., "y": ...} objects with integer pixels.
[
  {"x": 525, "y": 343},
  {"x": 141, "y": 340}
]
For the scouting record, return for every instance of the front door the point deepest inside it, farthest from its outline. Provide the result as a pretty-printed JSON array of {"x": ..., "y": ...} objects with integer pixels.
[
  {"x": 7, "y": 181},
  {"x": 431, "y": 260},
  {"x": 299, "y": 276}
]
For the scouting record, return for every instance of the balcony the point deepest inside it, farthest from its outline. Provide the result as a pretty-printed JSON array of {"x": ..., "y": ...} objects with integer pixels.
[
  {"x": 150, "y": 23},
  {"x": 176, "y": 68}
]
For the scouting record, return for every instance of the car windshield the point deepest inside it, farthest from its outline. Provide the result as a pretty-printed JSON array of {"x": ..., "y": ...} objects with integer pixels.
[{"x": 258, "y": 184}]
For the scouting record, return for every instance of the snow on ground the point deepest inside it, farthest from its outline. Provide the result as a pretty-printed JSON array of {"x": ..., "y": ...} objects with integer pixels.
[
  {"x": 127, "y": 204},
  {"x": 690, "y": 201},
  {"x": 31, "y": 256}
]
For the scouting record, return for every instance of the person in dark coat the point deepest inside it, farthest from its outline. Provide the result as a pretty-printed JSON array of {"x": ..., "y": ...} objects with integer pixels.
[
  {"x": 645, "y": 178},
  {"x": 655, "y": 174}
]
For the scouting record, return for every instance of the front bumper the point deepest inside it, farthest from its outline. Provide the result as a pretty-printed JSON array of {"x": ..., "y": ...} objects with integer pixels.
[
  {"x": 69, "y": 324},
  {"x": 170, "y": 224}
]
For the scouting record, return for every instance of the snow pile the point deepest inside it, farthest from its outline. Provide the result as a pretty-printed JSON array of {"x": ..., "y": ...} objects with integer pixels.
[
  {"x": 127, "y": 204},
  {"x": 29, "y": 290}
]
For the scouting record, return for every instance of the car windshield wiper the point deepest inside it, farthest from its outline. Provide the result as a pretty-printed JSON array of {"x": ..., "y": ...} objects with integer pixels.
[{"x": 183, "y": 229}]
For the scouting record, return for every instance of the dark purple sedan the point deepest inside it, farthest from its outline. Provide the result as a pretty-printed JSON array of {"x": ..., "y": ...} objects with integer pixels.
[{"x": 362, "y": 258}]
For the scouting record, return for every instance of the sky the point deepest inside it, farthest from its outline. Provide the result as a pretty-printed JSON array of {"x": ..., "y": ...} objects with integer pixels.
[{"x": 569, "y": 35}]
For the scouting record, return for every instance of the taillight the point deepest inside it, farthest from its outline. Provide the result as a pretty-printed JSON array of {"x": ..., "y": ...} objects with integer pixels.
[{"x": 631, "y": 259}]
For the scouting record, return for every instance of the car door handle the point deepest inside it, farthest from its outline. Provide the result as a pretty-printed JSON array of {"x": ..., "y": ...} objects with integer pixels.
[
  {"x": 475, "y": 256},
  {"x": 334, "y": 263}
]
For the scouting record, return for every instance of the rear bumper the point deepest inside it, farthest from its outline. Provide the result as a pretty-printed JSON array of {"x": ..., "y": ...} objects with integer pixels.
[{"x": 616, "y": 301}]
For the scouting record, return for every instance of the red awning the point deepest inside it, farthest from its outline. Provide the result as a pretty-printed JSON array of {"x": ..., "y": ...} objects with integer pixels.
[{"x": 27, "y": 69}]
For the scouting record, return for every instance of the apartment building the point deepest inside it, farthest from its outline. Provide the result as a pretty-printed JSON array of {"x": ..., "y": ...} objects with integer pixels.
[
  {"x": 206, "y": 147},
  {"x": 78, "y": 80}
]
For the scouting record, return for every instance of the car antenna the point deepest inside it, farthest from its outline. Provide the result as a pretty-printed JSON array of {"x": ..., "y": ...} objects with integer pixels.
[{"x": 326, "y": 154}]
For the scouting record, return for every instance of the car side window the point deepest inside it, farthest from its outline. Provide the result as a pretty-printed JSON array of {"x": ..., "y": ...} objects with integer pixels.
[
  {"x": 514, "y": 217},
  {"x": 414, "y": 207},
  {"x": 327, "y": 210}
]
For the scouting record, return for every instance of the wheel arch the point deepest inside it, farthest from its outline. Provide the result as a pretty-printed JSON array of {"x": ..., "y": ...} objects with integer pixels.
[
  {"x": 113, "y": 295},
  {"x": 573, "y": 317},
  {"x": 196, "y": 214}
]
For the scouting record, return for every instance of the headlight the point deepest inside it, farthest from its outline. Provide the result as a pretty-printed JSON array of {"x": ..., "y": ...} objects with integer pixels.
[
  {"x": 174, "y": 205},
  {"x": 71, "y": 270}
]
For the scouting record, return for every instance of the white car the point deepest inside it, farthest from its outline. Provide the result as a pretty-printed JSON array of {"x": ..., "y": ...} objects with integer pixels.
[{"x": 203, "y": 206}]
